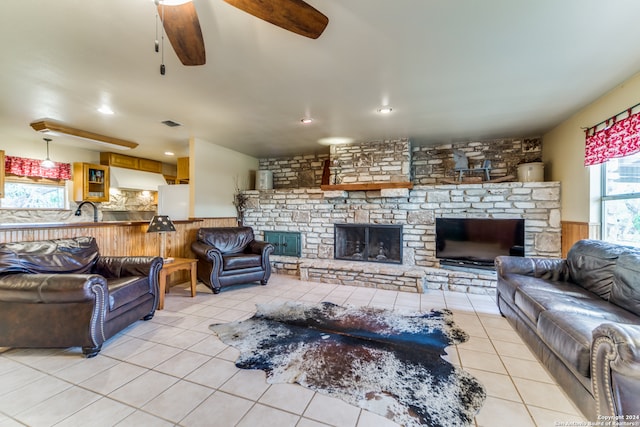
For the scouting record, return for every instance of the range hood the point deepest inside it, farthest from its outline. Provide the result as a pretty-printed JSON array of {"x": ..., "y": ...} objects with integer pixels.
[{"x": 131, "y": 179}]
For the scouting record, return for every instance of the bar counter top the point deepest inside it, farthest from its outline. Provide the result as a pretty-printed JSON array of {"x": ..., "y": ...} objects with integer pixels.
[{"x": 32, "y": 225}]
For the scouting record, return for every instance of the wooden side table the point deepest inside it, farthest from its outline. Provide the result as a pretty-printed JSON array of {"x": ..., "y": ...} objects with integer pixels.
[{"x": 173, "y": 266}]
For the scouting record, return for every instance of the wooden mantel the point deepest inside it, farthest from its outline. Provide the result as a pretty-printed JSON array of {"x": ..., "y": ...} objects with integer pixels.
[{"x": 370, "y": 186}]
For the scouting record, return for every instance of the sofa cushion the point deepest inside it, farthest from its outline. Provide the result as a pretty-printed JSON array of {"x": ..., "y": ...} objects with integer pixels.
[
  {"x": 626, "y": 282},
  {"x": 227, "y": 240},
  {"x": 74, "y": 255},
  {"x": 591, "y": 265},
  {"x": 124, "y": 290},
  {"x": 238, "y": 261},
  {"x": 533, "y": 299},
  {"x": 508, "y": 284},
  {"x": 569, "y": 336}
]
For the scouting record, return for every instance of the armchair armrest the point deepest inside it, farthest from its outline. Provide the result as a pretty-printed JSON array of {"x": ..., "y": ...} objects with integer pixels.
[
  {"x": 615, "y": 369},
  {"x": 260, "y": 248},
  {"x": 544, "y": 268},
  {"x": 52, "y": 288},
  {"x": 208, "y": 253},
  {"x": 264, "y": 249}
]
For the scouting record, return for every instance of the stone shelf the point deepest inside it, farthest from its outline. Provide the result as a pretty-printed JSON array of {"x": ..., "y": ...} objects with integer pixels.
[{"x": 371, "y": 186}]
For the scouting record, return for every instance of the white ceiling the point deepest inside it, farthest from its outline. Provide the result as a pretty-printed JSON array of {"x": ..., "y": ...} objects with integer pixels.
[{"x": 451, "y": 70}]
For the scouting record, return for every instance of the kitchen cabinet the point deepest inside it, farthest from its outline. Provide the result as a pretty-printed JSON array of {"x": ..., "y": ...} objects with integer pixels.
[
  {"x": 90, "y": 182},
  {"x": 285, "y": 242},
  {"x": 182, "y": 174},
  {"x": 148, "y": 165},
  {"x": 130, "y": 162}
]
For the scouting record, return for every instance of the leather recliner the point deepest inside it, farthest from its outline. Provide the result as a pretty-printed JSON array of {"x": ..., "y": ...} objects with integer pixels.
[
  {"x": 63, "y": 293},
  {"x": 230, "y": 256}
]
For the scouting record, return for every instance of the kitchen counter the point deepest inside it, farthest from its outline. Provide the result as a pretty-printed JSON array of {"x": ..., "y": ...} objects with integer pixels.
[{"x": 30, "y": 225}]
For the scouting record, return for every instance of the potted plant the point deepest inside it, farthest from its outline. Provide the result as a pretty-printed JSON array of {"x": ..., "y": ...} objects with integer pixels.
[{"x": 240, "y": 202}]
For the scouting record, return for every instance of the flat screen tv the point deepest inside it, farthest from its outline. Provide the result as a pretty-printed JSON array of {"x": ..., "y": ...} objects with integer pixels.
[{"x": 475, "y": 242}]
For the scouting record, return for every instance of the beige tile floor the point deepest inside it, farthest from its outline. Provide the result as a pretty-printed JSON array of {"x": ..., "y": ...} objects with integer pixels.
[{"x": 172, "y": 371}]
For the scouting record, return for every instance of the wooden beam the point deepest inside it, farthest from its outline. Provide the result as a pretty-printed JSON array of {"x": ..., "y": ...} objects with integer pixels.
[{"x": 47, "y": 126}]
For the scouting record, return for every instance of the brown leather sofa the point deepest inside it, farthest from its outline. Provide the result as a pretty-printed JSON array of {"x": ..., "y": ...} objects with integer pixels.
[
  {"x": 63, "y": 293},
  {"x": 230, "y": 256},
  {"x": 581, "y": 317}
]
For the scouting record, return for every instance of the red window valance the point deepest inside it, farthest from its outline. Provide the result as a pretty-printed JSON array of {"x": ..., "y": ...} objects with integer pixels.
[
  {"x": 618, "y": 139},
  {"x": 31, "y": 168}
]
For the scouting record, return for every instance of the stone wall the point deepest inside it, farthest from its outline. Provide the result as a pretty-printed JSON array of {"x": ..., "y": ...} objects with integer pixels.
[
  {"x": 313, "y": 213},
  {"x": 296, "y": 172},
  {"x": 131, "y": 200},
  {"x": 400, "y": 161},
  {"x": 431, "y": 164},
  {"x": 378, "y": 161}
]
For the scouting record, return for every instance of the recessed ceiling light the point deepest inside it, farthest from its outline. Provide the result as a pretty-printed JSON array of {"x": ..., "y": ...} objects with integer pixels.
[
  {"x": 105, "y": 109},
  {"x": 385, "y": 109},
  {"x": 335, "y": 140},
  {"x": 169, "y": 153},
  {"x": 306, "y": 120}
]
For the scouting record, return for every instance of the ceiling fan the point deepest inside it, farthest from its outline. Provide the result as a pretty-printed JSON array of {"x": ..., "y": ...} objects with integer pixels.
[{"x": 181, "y": 24}]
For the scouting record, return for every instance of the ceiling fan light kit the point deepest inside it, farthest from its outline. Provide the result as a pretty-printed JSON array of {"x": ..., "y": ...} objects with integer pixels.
[{"x": 54, "y": 128}]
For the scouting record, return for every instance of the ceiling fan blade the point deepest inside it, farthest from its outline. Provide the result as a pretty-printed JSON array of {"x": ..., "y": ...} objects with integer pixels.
[
  {"x": 183, "y": 30},
  {"x": 293, "y": 15}
]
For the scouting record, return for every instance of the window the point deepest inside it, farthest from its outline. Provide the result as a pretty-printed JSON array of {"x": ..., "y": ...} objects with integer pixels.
[
  {"x": 25, "y": 193},
  {"x": 621, "y": 200}
]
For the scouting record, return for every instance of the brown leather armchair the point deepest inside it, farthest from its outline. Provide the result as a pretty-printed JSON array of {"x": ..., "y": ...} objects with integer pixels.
[
  {"x": 62, "y": 293},
  {"x": 230, "y": 256}
]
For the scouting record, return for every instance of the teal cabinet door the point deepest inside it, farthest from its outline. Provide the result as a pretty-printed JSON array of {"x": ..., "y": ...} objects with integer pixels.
[
  {"x": 291, "y": 244},
  {"x": 285, "y": 242}
]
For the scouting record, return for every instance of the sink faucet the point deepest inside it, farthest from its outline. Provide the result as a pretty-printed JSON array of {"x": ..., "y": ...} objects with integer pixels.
[{"x": 95, "y": 210}]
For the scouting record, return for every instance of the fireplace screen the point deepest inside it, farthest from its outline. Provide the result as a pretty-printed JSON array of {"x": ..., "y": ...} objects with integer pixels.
[{"x": 368, "y": 242}]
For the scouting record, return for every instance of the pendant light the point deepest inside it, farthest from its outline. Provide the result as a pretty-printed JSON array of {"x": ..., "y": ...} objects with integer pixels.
[{"x": 47, "y": 163}]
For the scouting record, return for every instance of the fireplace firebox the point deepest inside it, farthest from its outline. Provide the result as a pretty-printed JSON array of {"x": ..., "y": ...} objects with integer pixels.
[{"x": 368, "y": 242}]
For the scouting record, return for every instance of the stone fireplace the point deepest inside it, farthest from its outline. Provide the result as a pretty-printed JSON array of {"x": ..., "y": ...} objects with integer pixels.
[
  {"x": 314, "y": 213},
  {"x": 368, "y": 243}
]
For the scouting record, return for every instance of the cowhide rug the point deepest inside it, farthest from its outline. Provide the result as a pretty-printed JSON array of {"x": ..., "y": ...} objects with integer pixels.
[{"x": 379, "y": 360}]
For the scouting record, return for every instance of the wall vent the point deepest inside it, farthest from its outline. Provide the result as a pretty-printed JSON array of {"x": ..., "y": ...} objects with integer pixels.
[{"x": 171, "y": 123}]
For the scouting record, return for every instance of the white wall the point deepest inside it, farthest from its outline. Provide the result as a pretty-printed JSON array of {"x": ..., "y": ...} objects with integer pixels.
[
  {"x": 563, "y": 152},
  {"x": 58, "y": 152},
  {"x": 213, "y": 172}
]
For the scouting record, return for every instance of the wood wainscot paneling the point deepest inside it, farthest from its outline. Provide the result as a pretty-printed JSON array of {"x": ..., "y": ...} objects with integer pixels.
[
  {"x": 572, "y": 232},
  {"x": 120, "y": 238}
]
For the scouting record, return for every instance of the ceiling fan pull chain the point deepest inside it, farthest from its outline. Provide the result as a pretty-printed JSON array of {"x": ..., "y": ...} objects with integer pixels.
[
  {"x": 157, "y": 44},
  {"x": 157, "y": 47},
  {"x": 162, "y": 70}
]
